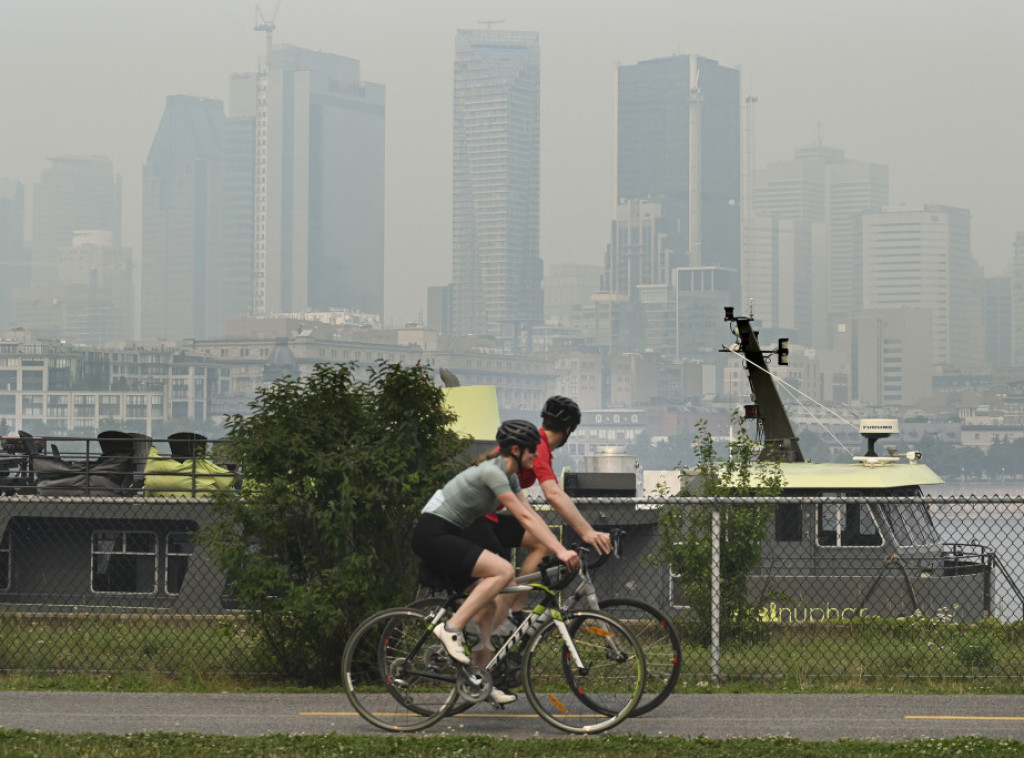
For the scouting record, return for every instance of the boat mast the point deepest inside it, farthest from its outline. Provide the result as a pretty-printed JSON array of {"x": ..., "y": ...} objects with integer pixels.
[{"x": 780, "y": 443}]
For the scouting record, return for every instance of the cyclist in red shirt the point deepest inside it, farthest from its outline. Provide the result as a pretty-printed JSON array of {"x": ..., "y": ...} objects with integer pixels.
[{"x": 500, "y": 533}]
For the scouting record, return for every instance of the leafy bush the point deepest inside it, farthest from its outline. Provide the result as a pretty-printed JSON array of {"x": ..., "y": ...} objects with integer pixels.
[
  {"x": 686, "y": 535},
  {"x": 336, "y": 469}
]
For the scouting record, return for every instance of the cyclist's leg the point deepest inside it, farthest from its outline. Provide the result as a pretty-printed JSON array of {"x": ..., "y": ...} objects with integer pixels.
[
  {"x": 487, "y": 620},
  {"x": 443, "y": 547},
  {"x": 501, "y": 536},
  {"x": 511, "y": 534},
  {"x": 493, "y": 573}
]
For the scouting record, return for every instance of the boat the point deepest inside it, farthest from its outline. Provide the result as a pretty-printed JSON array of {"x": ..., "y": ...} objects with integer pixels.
[
  {"x": 847, "y": 540},
  {"x": 864, "y": 542}
]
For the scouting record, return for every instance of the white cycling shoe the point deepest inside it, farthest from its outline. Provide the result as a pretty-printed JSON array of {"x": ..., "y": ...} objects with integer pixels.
[
  {"x": 454, "y": 643},
  {"x": 500, "y": 697}
]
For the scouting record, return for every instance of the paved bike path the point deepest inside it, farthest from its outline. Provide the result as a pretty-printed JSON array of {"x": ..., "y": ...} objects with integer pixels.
[{"x": 805, "y": 717}]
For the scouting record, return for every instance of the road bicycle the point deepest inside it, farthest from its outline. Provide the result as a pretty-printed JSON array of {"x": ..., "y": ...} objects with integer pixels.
[
  {"x": 582, "y": 671},
  {"x": 656, "y": 633}
]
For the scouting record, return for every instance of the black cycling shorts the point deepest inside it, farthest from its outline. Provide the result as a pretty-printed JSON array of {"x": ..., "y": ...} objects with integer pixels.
[
  {"x": 499, "y": 537},
  {"x": 441, "y": 546}
]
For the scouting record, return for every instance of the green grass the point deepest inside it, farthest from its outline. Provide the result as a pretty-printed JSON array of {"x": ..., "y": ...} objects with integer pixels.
[
  {"x": 44, "y": 745},
  {"x": 187, "y": 648},
  {"x": 138, "y": 653},
  {"x": 872, "y": 655}
]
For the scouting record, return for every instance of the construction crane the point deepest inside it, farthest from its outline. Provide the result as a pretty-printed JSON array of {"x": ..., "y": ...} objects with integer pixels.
[
  {"x": 259, "y": 305},
  {"x": 267, "y": 25}
]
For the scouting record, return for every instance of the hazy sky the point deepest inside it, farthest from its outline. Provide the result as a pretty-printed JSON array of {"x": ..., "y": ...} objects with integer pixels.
[{"x": 929, "y": 87}]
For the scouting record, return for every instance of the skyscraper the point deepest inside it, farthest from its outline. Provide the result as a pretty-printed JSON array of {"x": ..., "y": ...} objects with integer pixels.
[
  {"x": 75, "y": 193},
  {"x": 998, "y": 310},
  {"x": 678, "y": 158},
  {"x": 637, "y": 254},
  {"x": 679, "y": 145},
  {"x": 324, "y": 174},
  {"x": 13, "y": 255},
  {"x": 1017, "y": 299},
  {"x": 854, "y": 188},
  {"x": 181, "y": 229},
  {"x": 921, "y": 258},
  {"x": 785, "y": 257},
  {"x": 496, "y": 265},
  {"x": 94, "y": 291},
  {"x": 804, "y": 238}
]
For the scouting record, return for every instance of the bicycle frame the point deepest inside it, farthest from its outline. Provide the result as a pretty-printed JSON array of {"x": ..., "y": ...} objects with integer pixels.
[
  {"x": 583, "y": 596},
  {"x": 538, "y": 616}
]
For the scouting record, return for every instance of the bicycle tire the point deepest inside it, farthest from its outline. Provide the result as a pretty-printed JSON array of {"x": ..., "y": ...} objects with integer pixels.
[
  {"x": 394, "y": 674},
  {"x": 659, "y": 640},
  {"x": 553, "y": 682}
]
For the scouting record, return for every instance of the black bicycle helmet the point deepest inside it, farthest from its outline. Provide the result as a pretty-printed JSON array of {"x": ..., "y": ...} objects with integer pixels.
[
  {"x": 563, "y": 411},
  {"x": 517, "y": 431}
]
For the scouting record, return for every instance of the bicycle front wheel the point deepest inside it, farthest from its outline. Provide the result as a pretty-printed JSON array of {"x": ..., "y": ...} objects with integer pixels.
[
  {"x": 663, "y": 652},
  {"x": 584, "y": 675},
  {"x": 396, "y": 673}
]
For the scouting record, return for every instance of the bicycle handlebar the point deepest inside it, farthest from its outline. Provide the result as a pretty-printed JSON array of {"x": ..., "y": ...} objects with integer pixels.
[{"x": 585, "y": 551}]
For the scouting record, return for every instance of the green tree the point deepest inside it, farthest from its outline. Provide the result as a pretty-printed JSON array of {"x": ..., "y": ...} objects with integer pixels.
[
  {"x": 686, "y": 530},
  {"x": 336, "y": 469}
]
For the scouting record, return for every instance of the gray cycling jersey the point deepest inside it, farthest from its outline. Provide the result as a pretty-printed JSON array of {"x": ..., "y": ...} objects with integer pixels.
[{"x": 473, "y": 493}]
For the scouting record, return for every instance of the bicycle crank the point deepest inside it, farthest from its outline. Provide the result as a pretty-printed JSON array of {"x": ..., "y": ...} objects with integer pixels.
[{"x": 473, "y": 683}]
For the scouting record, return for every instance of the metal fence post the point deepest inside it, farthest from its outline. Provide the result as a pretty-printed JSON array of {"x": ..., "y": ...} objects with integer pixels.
[{"x": 716, "y": 589}]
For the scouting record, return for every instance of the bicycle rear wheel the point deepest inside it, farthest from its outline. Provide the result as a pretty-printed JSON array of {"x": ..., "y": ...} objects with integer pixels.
[
  {"x": 396, "y": 673},
  {"x": 663, "y": 652},
  {"x": 555, "y": 682}
]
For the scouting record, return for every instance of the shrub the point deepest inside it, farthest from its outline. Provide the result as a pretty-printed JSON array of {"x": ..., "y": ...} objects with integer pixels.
[
  {"x": 686, "y": 535},
  {"x": 336, "y": 469}
]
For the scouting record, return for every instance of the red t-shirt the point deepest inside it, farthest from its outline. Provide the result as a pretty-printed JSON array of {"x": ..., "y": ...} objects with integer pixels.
[{"x": 542, "y": 470}]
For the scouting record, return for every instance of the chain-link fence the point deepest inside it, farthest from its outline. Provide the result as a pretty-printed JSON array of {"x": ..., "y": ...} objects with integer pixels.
[
  {"x": 846, "y": 588},
  {"x": 100, "y": 568}
]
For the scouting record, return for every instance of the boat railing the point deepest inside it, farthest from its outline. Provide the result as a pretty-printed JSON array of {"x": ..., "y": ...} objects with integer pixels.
[
  {"x": 114, "y": 464},
  {"x": 969, "y": 555}
]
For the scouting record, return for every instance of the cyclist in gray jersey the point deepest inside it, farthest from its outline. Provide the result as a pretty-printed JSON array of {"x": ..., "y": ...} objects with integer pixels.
[
  {"x": 470, "y": 493},
  {"x": 437, "y": 537}
]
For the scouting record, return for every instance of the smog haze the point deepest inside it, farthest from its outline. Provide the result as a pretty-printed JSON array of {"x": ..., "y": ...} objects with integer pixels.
[{"x": 926, "y": 88}]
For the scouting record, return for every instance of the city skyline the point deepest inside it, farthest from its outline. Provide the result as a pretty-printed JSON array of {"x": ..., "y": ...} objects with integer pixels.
[{"x": 841, "y": 68}]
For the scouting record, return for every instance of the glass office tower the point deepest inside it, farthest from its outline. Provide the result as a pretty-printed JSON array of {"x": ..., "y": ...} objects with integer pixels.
[{"x": 496, "y": 265}]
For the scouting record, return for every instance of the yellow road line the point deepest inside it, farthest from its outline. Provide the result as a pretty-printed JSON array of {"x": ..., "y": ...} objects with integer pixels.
[
  {"x": 459, "y": 715},
  {"x": 969, "y": 718}
]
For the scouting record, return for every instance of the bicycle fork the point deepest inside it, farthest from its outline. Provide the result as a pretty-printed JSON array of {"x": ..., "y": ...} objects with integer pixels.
[
  {"x": 563, "y": 630},
  {"x": 587, "y": 595}
]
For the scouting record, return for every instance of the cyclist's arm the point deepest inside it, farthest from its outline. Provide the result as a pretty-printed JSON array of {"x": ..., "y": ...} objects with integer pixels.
[
  {"x": 516, "y": 504},
  {"x": 570, "y": 514}
]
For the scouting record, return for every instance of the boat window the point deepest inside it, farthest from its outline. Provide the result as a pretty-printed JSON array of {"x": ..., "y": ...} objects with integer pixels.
[
  {"x": 847, "y": 525},
  {"x": 787, "y": 522},
  {"x": 911, "y": 523},
  {"x": 179, "y": 550},
  {"x": 123, "y": 562},
  {"x": 5, "y": 560}
]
